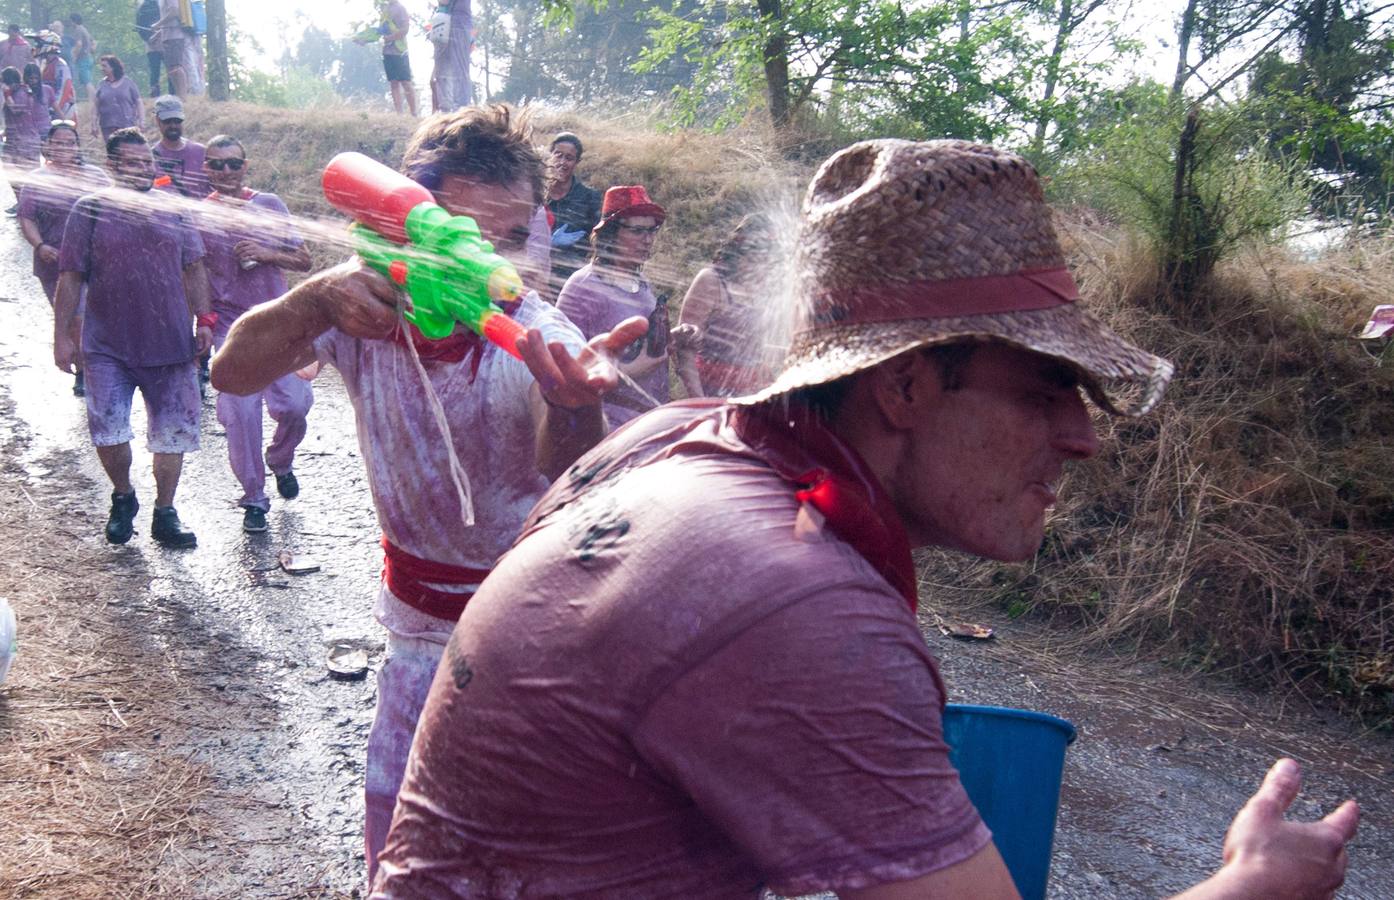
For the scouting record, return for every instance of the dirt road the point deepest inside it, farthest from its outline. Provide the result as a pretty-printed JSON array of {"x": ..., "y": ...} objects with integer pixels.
[{"x": 235, "y": 651}]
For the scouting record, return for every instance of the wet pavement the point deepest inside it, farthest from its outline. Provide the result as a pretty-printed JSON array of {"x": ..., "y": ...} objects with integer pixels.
[{"x": 1161, "y": 765}]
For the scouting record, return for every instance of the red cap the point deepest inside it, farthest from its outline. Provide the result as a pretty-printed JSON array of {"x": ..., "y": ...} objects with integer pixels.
[{"x": 629, "y": 200}]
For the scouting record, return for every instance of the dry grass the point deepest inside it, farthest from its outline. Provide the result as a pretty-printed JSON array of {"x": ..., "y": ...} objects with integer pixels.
[
  {"x": 94, "y": 805},
  {"x": 705, "y": 182}
]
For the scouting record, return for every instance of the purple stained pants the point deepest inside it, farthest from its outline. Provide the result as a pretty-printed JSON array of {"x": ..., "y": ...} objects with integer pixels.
[{"x": 288, "y": 399}]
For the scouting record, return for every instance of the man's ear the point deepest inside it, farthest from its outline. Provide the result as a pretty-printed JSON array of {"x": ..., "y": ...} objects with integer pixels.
[{"x": 902, "y": 387}]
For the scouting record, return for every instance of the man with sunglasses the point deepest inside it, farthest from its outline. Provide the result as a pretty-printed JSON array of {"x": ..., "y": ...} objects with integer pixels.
[
  {"x": 249, "y": 241},
  {"x": 612, "y": 287}
]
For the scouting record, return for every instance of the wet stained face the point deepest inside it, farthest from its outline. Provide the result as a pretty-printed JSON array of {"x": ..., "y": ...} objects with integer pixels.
[
  {"x": 172, "y": 129},
  {"x": 982, "y": 464},
  {"x": 563, "y": 159},
  {"x": 61, "y": 146},
  {"x": 502, "y": 211},
  {"x": 134, "y": 166},
  {"x": 634, "y": 239},
  {"x": 218, "y": 163}
]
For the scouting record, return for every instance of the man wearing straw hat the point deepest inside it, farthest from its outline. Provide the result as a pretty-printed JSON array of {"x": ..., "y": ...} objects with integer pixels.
[{"x": 698, "y": 672}]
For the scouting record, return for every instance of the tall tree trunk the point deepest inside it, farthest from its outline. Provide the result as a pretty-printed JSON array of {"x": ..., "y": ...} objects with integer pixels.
[
  {"x": 776, "y": 59},
  {"x": 1185, "y": 29},
  {"x": 38, "y": 14},
  {"x": 219, "y": 79},
  {"x": 1063, "y": 27}
]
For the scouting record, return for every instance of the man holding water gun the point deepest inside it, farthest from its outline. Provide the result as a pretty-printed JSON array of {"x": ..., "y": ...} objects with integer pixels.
[{"x": 514, "y": 423}]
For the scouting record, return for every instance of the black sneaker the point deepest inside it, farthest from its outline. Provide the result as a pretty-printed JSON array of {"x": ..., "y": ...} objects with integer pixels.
[
  {"x": 166, "y": 528},
  {"x": 288, "y": 485},
  {"x": 204, "y": 376},
  {"x": 120, "y": 524},
  {"x": 79, "y": 385},
  {"x": 253, "y": 519}
]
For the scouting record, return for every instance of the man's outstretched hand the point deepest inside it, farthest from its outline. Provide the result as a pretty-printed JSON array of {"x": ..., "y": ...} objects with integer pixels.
[
  {"x": 1268, "y": 857},
  {"x": 579, "y": 381}
]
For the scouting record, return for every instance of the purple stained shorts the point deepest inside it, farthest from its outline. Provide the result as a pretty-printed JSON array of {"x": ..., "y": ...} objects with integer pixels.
[{"x": 172, "y": 403}]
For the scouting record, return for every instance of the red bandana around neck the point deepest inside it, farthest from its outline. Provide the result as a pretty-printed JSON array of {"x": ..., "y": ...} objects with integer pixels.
[
  {"x": 454, "y": 347},
  {"x": 831, "y": 477}
]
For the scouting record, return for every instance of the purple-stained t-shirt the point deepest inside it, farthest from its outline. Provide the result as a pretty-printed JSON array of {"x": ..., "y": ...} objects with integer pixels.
[
  {"x": 118, "y": 104},
  {"x": 41, "y": 112},
  {"x": 678, "y": 683},
  {"x": 224, "y": 223},
  {"x": 132, "y": 254},
  {"x": 404, "y": 451},
  {"x": 47, "y": 199},
  {"x": 185, "y": 167},
  {"x": 596, "y": 306}
]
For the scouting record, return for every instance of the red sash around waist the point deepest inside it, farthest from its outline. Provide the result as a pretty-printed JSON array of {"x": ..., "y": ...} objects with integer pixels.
[{"x": 410, "y": 577}]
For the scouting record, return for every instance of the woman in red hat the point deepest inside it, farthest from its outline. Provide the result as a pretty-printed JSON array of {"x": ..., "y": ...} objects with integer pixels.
[{"x": 612, "y": 287}]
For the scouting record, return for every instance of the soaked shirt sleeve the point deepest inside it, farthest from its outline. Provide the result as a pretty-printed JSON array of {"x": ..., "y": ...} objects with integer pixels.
[
  {"x": 76, "y": 253},
  {"x": 813, "y": 741}
]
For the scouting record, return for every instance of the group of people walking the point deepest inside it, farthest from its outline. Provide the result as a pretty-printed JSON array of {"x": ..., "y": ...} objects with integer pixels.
[
  {"x": 676, "y": 651},
  {"x": 147, "y": 261}
]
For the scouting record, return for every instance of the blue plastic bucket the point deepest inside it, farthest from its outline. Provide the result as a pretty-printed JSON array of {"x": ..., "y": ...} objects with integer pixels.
[{"x": 1011, "y": 762}]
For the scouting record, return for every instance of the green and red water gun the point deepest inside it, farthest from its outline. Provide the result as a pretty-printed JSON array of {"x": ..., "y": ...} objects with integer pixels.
[{"x": 447, "y": 268}]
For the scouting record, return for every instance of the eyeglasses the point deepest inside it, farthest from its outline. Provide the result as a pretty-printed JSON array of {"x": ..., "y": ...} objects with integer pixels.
[
  {"x": 217, "y": 165},
  {"x": 640, "y": 229}
]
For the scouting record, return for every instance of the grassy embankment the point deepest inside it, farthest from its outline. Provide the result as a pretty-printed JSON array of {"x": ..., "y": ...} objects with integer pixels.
[{"x": 1249, "y": 524}]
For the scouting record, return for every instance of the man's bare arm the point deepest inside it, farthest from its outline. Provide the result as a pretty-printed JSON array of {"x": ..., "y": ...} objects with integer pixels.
[
  {"x": 279, "y": 337},
  {"x": 1266, "y": 857}
]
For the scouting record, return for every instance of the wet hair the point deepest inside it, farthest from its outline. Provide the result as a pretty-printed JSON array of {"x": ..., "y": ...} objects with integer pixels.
[
  {"x": 75, "y": 18},
  {"x": 227, "y": 140},
  {"x": 10, "y": 75},
  {"x": 12, "y": 28},
  {"x": 118, "y": 68},
  {"x": 491, "y": 144},
  {"x": 567, "y": 137},
  {"x": 32, "y": 72},
  {"x": 753, "y": 236},
  {"x": 824, "y": 400},
  {"x": 124, "y": 136}
]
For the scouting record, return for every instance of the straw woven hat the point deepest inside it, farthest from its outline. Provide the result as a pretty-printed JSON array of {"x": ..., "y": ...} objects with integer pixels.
[{"x": 905, "y": 245}]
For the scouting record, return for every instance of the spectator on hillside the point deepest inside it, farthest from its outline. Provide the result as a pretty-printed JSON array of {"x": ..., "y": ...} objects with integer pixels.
[
  {"x": 15, "y": 51},
  {"x": 392, "y": 31},
  {"x": 169, "y": 28},
  {"x": 612, "y": 288},
  {"x": 57, "y": 75},
  {"x": 44, "y": 205},
  {"x": 249, "y": 243},
  {"x": 513, "y": 425},
  {"x": 176, "y": 156},
  {"x": 452, "y": 34},
  {"x": 699, "y": 670},
  {"x": 147, "y": 288},
  {"x": 726, "y": 303},
  {"x": 575, "y": 209},
  {"x": 84, "y": 51},
  {"x": 117, "y": 100},
  {"x": 147, "y": 18}
]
